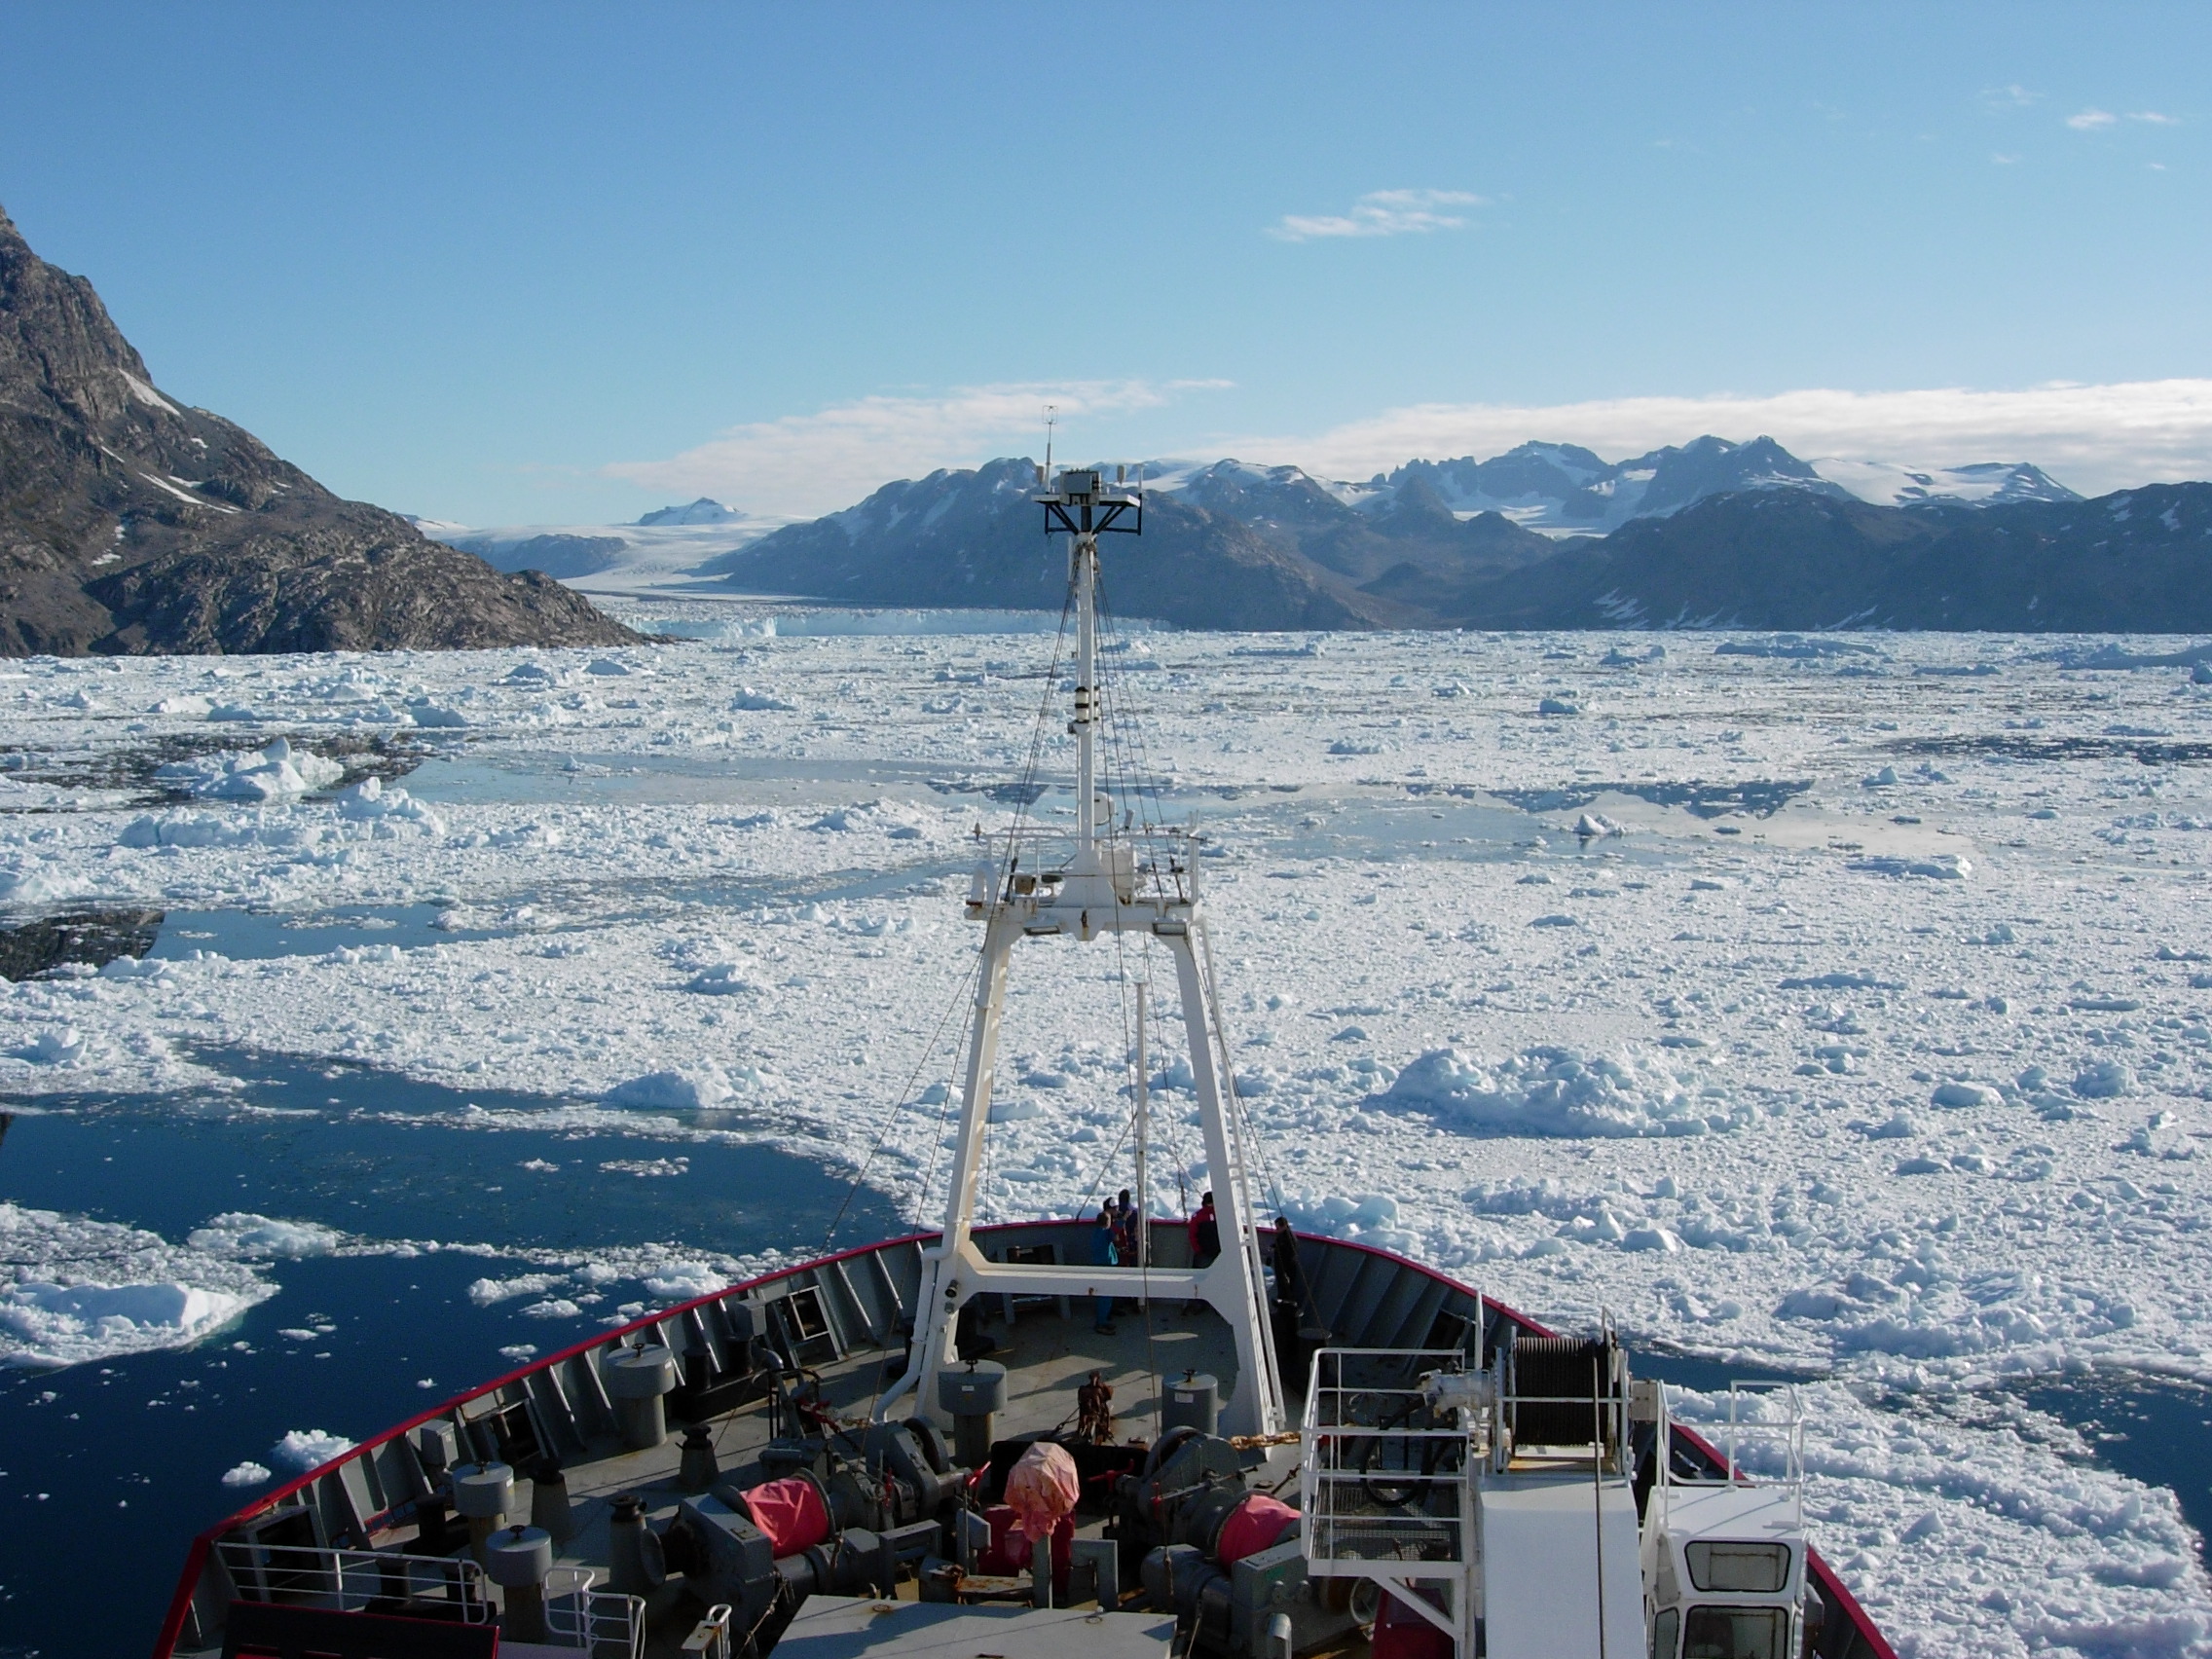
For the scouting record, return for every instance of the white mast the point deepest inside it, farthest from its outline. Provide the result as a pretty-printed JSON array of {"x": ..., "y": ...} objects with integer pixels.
[
  {"x": 1144, "y": 1126},
  {"x": 1102, "y": 880}
]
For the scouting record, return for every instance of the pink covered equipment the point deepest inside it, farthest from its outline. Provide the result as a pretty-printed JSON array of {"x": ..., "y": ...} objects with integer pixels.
[{"x": 1041, "y": 1489}]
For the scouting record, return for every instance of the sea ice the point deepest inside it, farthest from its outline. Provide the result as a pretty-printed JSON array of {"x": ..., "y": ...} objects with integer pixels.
[
  {"x": 750, "y": 700},
  {"x": 74, "y": 1290},
  {"x": 305, "y": 1449},
  {"x": 597, "y": 867},
  {"x": 676, "y": 1089},
  {"x": 245, "y": 1236},
  {"x": 276, "y": 772},
  {"x": 1557, "y": 1092}
]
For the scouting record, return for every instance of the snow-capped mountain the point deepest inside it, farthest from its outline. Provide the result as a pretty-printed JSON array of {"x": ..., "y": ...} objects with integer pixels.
[
  {"x": 1563, "y": 490},
  {"x": 1233, "y": 544},
  {"x": 705, "y": 510},
  {"x": 1985, "y": 484},
  {"x": 1710, "y": 533}
]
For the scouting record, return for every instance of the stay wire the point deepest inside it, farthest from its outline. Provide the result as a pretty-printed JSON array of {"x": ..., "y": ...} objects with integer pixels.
[
  {"x": 945, "y": 1107},
  {"x": 1239, "y": 1121},
  {"x": 1013, "y": 839},
  {"x": 1028, "y": 791},
  {"x": 891, "y": 1113}
]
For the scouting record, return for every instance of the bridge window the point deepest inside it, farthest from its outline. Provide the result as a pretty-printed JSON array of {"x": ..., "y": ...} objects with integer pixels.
[
  {"x": 1736, "y": 1633},
  {"x": 1760, "y": 1568},
  {"x": 1667, "y": 1633}
]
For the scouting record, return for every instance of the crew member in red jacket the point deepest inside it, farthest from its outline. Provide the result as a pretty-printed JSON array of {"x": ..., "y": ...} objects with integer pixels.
[{"x": 1206, "y": 1234}]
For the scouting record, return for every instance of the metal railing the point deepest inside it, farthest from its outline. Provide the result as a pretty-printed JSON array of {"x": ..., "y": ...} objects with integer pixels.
[
  {"x": 1156, "y": 864},
  {"x": 1384, "y": 1473},
  {"x": 308, "y": 1575},
  {"x": 1766, "y": 1417},
  {"x": 604, "y": 1623}
]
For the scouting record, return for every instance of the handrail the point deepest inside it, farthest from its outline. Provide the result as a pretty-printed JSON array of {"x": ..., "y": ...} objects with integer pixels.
[
  {"x": 348, "y": 1580},
  {"x": 1351, "y": 1527},
  {"x": 597, "y": 1621}
]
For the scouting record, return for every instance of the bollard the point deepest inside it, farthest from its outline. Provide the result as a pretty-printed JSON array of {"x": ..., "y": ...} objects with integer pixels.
[
  {"x": 483, "y": 1493},
  {"x": 698, "y": 1470},
  {"x": 518, "y": 1557},
  {"x": 549, "y": 1501},
  {"x": 636, "y": 1380},
  {"x": 1279, "y": 1637}
]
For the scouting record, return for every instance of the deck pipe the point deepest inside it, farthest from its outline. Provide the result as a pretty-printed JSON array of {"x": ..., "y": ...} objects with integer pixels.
[
  {"x": 482, "y": 1493},
  {"x": 636, "y": 1380},
  {"x": 518, "y": 1558}
]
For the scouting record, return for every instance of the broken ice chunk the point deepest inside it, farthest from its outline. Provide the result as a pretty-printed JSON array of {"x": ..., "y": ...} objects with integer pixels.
[{"x": 1959, "y": 1094}]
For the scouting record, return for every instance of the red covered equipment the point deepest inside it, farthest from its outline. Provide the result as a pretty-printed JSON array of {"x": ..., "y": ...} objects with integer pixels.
[
  {"x": 791, "y": 1512},
  {"x": 1253, "y": 1526}
]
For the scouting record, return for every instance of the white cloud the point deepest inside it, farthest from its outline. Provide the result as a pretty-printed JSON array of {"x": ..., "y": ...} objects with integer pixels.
[
  {"x": 1383, "y": 214},
  {"x": 816, "y": 464},
  {"x": 2089, "y": 120},
  {"x": 2013, "y": 97},
  {"x": 2094, "y": 438},
  {"x": 2154, "y": 118}
]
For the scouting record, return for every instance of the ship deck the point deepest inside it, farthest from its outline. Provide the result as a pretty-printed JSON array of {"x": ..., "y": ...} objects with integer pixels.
[
  {"x": 341, "y": 1537},
  {"x": 1048, "y": 1355}
]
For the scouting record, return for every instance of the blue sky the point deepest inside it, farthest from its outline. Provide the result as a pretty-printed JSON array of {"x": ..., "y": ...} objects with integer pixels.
[{"x": 544, "y": 264}]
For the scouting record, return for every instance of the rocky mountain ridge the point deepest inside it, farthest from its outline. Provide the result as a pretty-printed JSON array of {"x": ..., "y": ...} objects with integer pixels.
[
  {"x": 2137, "y": 561},
  {"x": 1231, "y": 545},
  {"x": 131, "y": 523}
]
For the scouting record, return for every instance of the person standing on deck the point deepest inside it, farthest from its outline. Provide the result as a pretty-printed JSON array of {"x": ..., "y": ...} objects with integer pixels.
[
  {"x": 1286, "y": 1315},
  {"x": 1125, "y": 1227},
  {"x": 1290, "y": 1277},
  {"x": 1103, "y": 1255},
  {"x": 1206, "y": 1234}
]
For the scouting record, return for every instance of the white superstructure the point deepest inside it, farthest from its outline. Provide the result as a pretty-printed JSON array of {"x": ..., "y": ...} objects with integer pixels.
[
  {"x": 1103, "y": 880},
  {"x": 1497, "y": 1497}
]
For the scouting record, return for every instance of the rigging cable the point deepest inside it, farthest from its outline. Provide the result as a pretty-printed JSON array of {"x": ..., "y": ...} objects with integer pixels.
[{"x": 891, "y": 1111}]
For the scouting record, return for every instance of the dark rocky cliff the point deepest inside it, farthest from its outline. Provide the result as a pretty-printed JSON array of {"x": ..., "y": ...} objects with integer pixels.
[{"x": 130, "y": 523}]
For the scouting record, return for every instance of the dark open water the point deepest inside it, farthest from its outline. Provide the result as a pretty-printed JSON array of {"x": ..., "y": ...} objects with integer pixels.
[{"x": 103, "y": 1486}]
